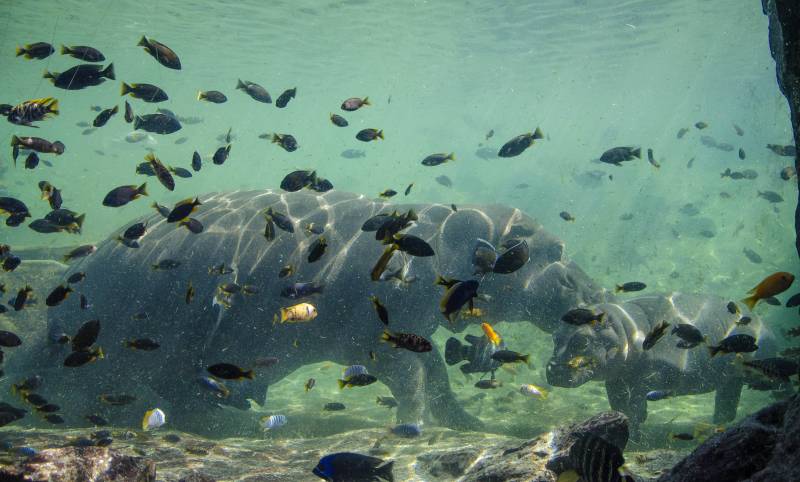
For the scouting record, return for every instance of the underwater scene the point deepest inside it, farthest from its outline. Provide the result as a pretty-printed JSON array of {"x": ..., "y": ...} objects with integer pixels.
[{"x": 402, "y": 241}]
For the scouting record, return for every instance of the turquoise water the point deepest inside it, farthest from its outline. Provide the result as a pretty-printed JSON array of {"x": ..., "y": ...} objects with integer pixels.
[{"x": 440, "y": 76}]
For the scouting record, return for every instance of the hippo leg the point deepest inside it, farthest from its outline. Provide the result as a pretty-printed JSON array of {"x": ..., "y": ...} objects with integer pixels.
[
  {"x": 726, "y": 400},
  {"x": 442, "y": 402},
  {"x": 630, "y": 400}
]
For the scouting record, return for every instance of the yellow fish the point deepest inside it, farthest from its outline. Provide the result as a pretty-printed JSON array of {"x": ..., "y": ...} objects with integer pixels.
[
  {"x": 296, "y": 313},
  {"x": 153, "y": 419},
  {"x": 490, "y": 333},
  {"x": 533, "y": 391}
]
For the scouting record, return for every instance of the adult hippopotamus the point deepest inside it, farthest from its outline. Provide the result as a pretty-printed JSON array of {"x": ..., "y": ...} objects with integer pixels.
[
  {"x": 612, "y": 352},
  {"x": 121, "y": 282}
]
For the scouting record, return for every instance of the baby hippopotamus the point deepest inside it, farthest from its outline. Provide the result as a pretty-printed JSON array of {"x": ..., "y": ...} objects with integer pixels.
[{"x": 611, "y": 350}]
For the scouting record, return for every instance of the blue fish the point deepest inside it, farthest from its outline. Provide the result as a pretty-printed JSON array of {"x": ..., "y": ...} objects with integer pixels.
[
  {"x": 348, "y": 466},
  {"x": 407, "y": 430},
  {"x": 27, "y": 451},
  {"x": 657, "y": 395},
  {"x": 215, "y": 386},
  {"x": 354, "y": 370},
  {"x": 301, "y": 290}
]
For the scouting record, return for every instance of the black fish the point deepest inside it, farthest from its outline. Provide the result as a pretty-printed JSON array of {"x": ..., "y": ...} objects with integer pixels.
[
  {"x": 457, "y": 296},
  {"x": 771, "y": 196},
  {"x": 197, "y": 161},
  {"x": 122, "y": 195},
  {"x": 334, "y": 407},
  {"x": 145, "y": 344},
  {"x": 583, "y": 316},
  {"x": 157, "y": 123},
  {"x": 58, "y": 295},
  {"x": 163, "y": 54},
  {"x": 86, "y": 336},
  {"x": 128, "y": 113},
  {"x": 436, "y": 159},
  {"x": 409, "y": 341},
  {"x": 229, "y": 371},
  {"x": 36, "y": 50},
  {"x": 166, "y": 264},
  {"x": 597, "y": 460},
  {"x": 655, "y": 334},
  {"x": 81, "y": 76},
  {"x": 618, "y": 155},
  {"x": 221, "y": 155},
  {"x": 255, "y": 91},
  {"x": 104, "y": 116},
  {"x": 82, "y": 52},
  {"x": 80, "y": 358},
  {"x": 339, "y": 120},
  {"x": 285, "y": 97},
  {"x": 408, "y": 189},
  {"x": 412, "y": 245},
  {"x": 76, "y": 277},
  {"x": 688, "y": 333},
  {"x": 21, "y": 299},
  {"x": 508, "y": 356},
  {"x": 193, "y": 225},
  {"x": 630, "y": 286},
  {"x": 135, "y": 231},
  {"x": 739, "y": 343},
  {"x": 752, "y": 255},
  {"x": 347, "y": 467},
  {"x": 161, "y": 171},
  {"x": 213, "y": 96},
  {"x": 317, "y": 249},
  {"x": 286, "y": 141},
  {"x": 383, "y": 313},
  {"x": 32, "y": 160},
  {"x": 366, "y": 135},
  {"x": 146, "y": 92},
  {"x": 281, "y": 220},
  {"x": 8, "y": 339},
  {"x": 301, "y": 290},
  {"x": 513, "y": 257},
  {"x": 517, "y": 145}
]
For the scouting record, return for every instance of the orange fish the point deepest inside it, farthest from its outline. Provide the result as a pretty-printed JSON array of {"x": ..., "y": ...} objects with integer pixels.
[
  {"x": 771, "y": 285},
  {"x": 490, "y": 333}
]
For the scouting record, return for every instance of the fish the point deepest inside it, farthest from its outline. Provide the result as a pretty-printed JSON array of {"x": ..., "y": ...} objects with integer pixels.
[
  {"x": 348, "y": 466},
  {"x": 738, "y": 343},
  {"x": 517, "y": 145},
  {"x": 338, "y": 120},
  {"x": 31, "y": 111},
  {"x": 183, "y": 209},
  {"x": 382, "y": 312},
  {"x": 31, "y": 161},
  {"x": 215, "y": 386},
  {"x": 281, "y": 220},
  {"x": 682, "y": 132},
  {"x": 157, "y": 123},
  {"x": 654, "y": 335},
  {"x": 618, "y": 155},
  {"x": 310, "y": 384},
  {"x": 265, "y": 362},
  {"x": 213, "y": 96},
  {"x": 656, "y": 395},
  {"x": 301, "y": 312},
  {"x": 437, "y": 159},
  {"x": 197, "y": 162},
  {"x": 334, "y": 407},
  {"x": 630, "y": 286},
  {"x": 283, "y": 99},
  {"x": 583, "y": 316},
  {"x": 771, "y": 196},
  {"x": 354, "y": 103},
  {"x": 166, "y": 264},
  {"x": 772, "y": 301},
  {"x": 153, "y": 418},
  {"x": 163, "y": 54},
  {"x": 787, "y": 151},
  {"x": 128, "y": 113},
  {"x": 221, "y": 155},
  {"x": 255, "y": 91},
  {"x": 36, "y": 50},
  {"x": 302, "y": 290},
  {"x": 285, "y": 271},
  {"x": 700, "y": 125},
  {"x": 80, "y": 76},
  {"x": 689, "y": 334},
  {"x": 407, "y": 430},
  {"x": 741, "y": 154},
  {"x": 76, "y": 277},
  {"x": 651, "y": 159},
  {"x": 595, "y": 460},
  {"x": 388, "y": 402},
  {"x": 135, "y": 231},
  {"x": 317, "y": 249},
  {"x": 566, "y": 216},
  {"x": 228, "y": 371},
  {"x": 369, "y": 134},
  {"x": 313, "y": 229},
  {"x": 359, "y": 380},
  {"x": 104, "y": 116},
  {"x": 58, "y": 295},
  {"x": 273, "y": 421},
  {"x": 743, "y": 321},
  {"x": 38, "y": 144},
  {"x": 535, "y": 391},
  {"x": 739, "y": 131},
  {"x": 775, "y": 368},
  {"x": 772, "y": 285},
  {"x": 146, "y": 92},
  {"x": 488, "y": 384},
  {"x": 491, "y": 335},
  {"x": 580, "y": 362},
  {"x": 79, "y": 252},
  {"x": 9, "y": 339},
  {"x": 286, "y": 141},
  {"x": 752, "y": 255},
  {"x": 388, "y": 193},
  {"x": 80, "y": 358},
  {"x": 788, "y": 172},
  {"x": 457, "y": 296},
  {"x": 144, "y": 344},
  {"x": 117, "y": 399},
  {"x": 508, "y": 356},
  {"x": 180, "y": 172},
  {"x": 409, "y": 341}
]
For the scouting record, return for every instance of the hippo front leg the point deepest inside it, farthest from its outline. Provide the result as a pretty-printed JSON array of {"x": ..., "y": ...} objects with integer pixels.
[
  {"x": 630, "y": 400},
  {"x": 726, "y": 400},
  {"x": 441, "y": 400}
]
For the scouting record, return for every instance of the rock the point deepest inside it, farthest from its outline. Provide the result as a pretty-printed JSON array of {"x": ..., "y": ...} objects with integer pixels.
[
  {"x": 761, "y": 447},
  {"x": 84, "y": 464},
  {"x": 196, "y": 477},
  {"x": 611, "y": 426},
  {"x": 448, "y": 465},
  {"x": 514, "y": 463}
]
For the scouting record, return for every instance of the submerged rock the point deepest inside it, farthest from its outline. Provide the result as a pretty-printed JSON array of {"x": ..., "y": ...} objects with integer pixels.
[
  {"x": 610, "y": 426},
  {"x": 84, "y": 464}
]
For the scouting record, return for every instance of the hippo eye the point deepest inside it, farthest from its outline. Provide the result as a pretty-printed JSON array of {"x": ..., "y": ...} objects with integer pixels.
[{"x": 578, "y": 344}]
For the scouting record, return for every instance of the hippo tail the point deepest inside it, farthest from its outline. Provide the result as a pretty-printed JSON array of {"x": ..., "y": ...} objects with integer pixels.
[{"x": 454, "y": 351}]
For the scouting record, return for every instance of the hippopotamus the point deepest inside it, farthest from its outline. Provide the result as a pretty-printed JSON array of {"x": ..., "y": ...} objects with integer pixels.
[
  {"x": 121, "y": 282},
  {"x": 612, "y": 352}
]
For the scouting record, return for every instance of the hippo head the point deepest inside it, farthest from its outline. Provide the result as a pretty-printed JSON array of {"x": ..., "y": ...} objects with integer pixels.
[{"x": 583, "y": 353}]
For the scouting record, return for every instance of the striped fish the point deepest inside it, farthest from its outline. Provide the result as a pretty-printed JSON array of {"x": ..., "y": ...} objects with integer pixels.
[
  {"x": 153, "y": 419},
  {"x": 597, "y": 460},
  {"x": 273, "y": 421},
  {"x": 354, "y": 370}
]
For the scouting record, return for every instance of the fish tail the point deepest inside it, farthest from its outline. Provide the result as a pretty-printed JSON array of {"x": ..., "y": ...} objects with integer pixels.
[
  {"x": 249, "y": 374},
  {"x": 618, "y": 288},
  {"x": 713, "y": 350},
  {"x": 200, "y": 95},
  {"x": 115, "y": 109},
  {"x": 49, "y": 75},
  {"x": 366, "y": 101},
  {"x": 341, "y": 383},
  {"x": 142, "y": 190},
  {"x": 379, "y": 135},
  {"x": 750, "y": 301},
  {"x": 15, "y": 141},
  {"x": 537, "y": 134},
  {"x": 240, "y": 84},
  {"x": 142, "y": 42},
  {"x": 124, "y": 89},
  {"x": 53, "y": 107},
  {"x": 100, "y": 353},
  {"x": 275, "y": 138},
  {"x": 108, "y": 72},
  {"x": 79, "y": 220},
  {"x": 64, "y": 49},
  {"x": 525, "y": 359},
  {"x": 385, "y": 471},
  {"x": 637, "y": 153},
  {"x": 450, "y": 157},
  {"x": 20, "y": 51},
  {"x": 137, "y": 122},
  {"x": 387, "y": 336},
  {"x": 544, "y": 393}
]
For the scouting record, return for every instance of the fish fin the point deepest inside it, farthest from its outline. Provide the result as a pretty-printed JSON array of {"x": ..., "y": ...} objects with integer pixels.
[
  {"x": 366, "y": 101},
  {"x": 637, "y": 153},
  {"x": 385, "y": 471},
  {"x": 200, "y": 95},
  {"x": 386, "y": 336},
  {"x": 108, "y": 72},
  {"x": 49, "y": 75},
  {"x": 240, "y": 85},
  {"x": 751, "y": 301},
  {"x": 15, "y": 141},
  {"x": 144, "y": 420},
  {"x": 249, "y": 374},
  {"x": 124, "y": 89},
  {"x": 115, "y": 109},
  {"x": 53, "y": 107},
  {"x": 537, "y": 134},
  {"x": 142, "y": 190},
  {"x": 341, "y": 384},
  {"x": 143, "y": 42},
  {"x": 379, "y": 135},
  {"x": 713, "y": 350},
  {"x": 618, "y": 288},
  {"x": 79, "y": 220},
  {"x": 65, "y": 50},
  {"x": 451, "y": 157},
  {"x": 20, "y": 51}
]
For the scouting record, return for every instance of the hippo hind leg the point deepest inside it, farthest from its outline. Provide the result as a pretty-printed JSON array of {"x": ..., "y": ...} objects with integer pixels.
[
  {"x": 441, "y": 400},
  {"x": 726, "y": 400},
  {"x": 630, "y": 400}
]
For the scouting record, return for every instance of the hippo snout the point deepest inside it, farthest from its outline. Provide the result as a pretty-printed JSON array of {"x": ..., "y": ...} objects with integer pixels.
[{"x": 561, "y": 375}]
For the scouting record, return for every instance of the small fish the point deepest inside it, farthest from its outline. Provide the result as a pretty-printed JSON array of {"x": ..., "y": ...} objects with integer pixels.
[
  {"x": 317, "y": 249},
  {"x": 383, "y": 313},
  {"x": 409, "y": 341},
  {"x": 80, "y": 358},
  {"x": 407, "y": 430},
  {"x": 580, "y": 362},
  {"x": 255, "y": 91},
  {"x": 739, "y": 343},
  {"x": 287, "y": 270},
  {"x": 265, "y": 362},
  {"x": 388, "y": 402},
  {"x": 122, "y": 195},
  {"x": 508, "y": 356},
  {"x": 283, "y": 99},
  {"x": 183, "y": 209},
  {"x": 654, "y": 335},
  {"x": 153, "y": 418},
  {"x": 744, "y": 321},
  {"x": 741, "y": 154},
  {"x": 367, "y": 135},
  {"x": 334, "y": 407},
  {"x": 216, "y": 387},
  {"x": 437, "y": 159},
  {"x": 273, "y": 421},
  {"x": 76, "y": 277},
  {"x": 96, "y": 420},
  {"x": 193, "y": 225},
  {"x": 739, "y": 130},
  {"x": 517, "y": 145},
  {"x": 166, "y": 264},
  {"x": 220, "y": 270},
  {"x": 148, "y": 93},
  {"x": 55, "y": 419},
  {"x": 36, "y": 50},
  {"x": 310, "y": 384},
  {"x": 221, "y": 155},
  {"x": 9, "y": 340},
  {"x": 213, "y": 96},
  {"x": 770, "y": 286},
  {"x": 689, "y": 334},
  {"x": 444, "y": 181},
  {"x": 700, "y": 125},
  {"x": 454, "y": 208},
  {"x": 651, "y": 159},
  {"x": 583, "y": 316},
  {"x": 533, "y": 391},
  {"x": 752, "y": 255},
  {"x": 682, "y": 132},
  {"x": 492, "y": 335},
  {"x": 347, "y": 466},
  {"x": 388, "y": 193},
  {"x": 163, "y": 54},
  {"x": 228, "y": 371},
  {"x": 629, "y": 287},
  {"x": 128, "y": 113},
  {"x": 286, "y": 141},
  {"x": 361, "y": 380},
  {"x": 84, "y": 303},
  {"x": 37, "y": 144},
  {"x": 58, "y": 295},
  {"x": 566, "y": 216},
  {"x": 618, "y": 155},
  {"x": 682, "y": 436},
  {"x": 144, "y": 344},
  {"x": 488, "y": 384},
  {"x": 771, "y": 196},
  {"x": 301, "y": 312},
  {"x": 338, "y": 120},
  {"x": 354, "y": 103},
  {"x": 787, "y": 151},
  {"x": 302, "y": 290},
  {"x": 80, "y": 252},
  {"x": 489, "y": 134},
  {"x": 117, "y": 399},
  {"x": 104, "y": 116},
  {"x": 656, "y": 395},
  {"x": 457, "y": 296}
]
